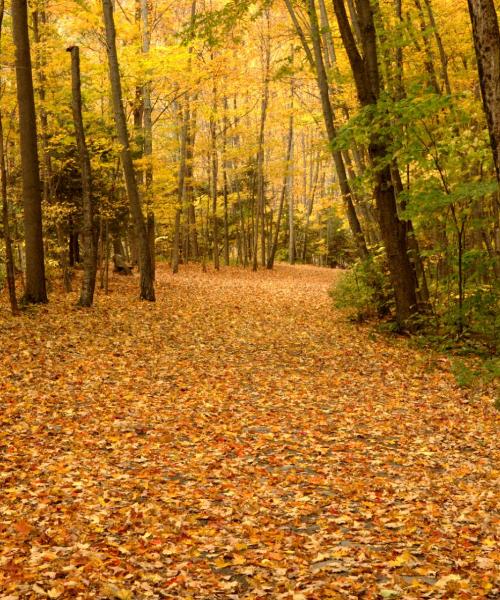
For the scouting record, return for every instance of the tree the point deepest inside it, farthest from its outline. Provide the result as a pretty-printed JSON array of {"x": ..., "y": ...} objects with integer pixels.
[
  {"x": 366, "y": 75},
  {"x": 147, "y": 291},
  {"x": 89, "y": 230},
  {"x": 9, "y": 258},
  {"x": 35, "y": 290}
]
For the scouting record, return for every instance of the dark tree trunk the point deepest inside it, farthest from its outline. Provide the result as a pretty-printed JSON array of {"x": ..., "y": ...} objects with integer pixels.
[
  {"x": 393, "y": 230},
  {"x": 35, "y": 287},
  {"x": 487, "y": 45},
  {"x": 147, "y": 291},
  {"x": 89, "y": 230},
  {"x": 9, "y": 258},
  {"x": 151, "y": 224},
  {"x": 73, "y": 244},
  {"x": 176, "y": 241}
]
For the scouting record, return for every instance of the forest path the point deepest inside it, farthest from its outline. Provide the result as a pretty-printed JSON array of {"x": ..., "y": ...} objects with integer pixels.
[{"x": 237, "y": 439}]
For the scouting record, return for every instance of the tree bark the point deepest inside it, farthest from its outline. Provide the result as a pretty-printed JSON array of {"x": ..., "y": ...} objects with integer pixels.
[
  {"x": 486, "y": 35},
  {"x": 35, "y": 287},
  {"x": 88, "y": 230},
  {"x": 147, "y": 291}
]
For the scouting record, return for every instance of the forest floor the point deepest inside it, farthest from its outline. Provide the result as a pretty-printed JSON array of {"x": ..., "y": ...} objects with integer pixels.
[{"x": 237, "y": 439}]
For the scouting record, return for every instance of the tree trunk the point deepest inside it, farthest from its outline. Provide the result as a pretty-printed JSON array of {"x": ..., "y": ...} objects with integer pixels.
[
  {"x": 190, "y": 141},
  {"x": 261, "y": 191},
  {"x": 9, "y": 258},
  {"x": 393, "y": 231},
  {"x": 291, "y": 222},
  {"x": 35, "y": 287},
  {"x": 487, "y": 46},
  {"x": 309, "y": 208},
  {"x": 214, "y": 174},
  {"x": 38, "y": 18},
  {"x": 429, "y": 60},
  {"x": 191, "y": 216},
  {"x": 147, "y": 126},
  {"x": 176, "y": 242},
  {"x": 326, "y": 35},
  {"x": 106, "y": 259},
  {"x": 147, "y": 291},
  {"x": 89, "y": 232},
  {"x": 181, "y": 187},
  {"x": 225, "y": 184},
  {"x": 439, "y": 42},
  {"x": 399, "y": 74},
  {"x": 286, "y": 175}
]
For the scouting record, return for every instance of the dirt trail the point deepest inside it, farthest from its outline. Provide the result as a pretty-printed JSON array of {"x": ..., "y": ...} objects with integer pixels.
[{"x": 238, "y": 439}]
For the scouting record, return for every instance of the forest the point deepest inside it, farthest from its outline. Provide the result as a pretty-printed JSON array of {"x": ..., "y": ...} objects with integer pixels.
[
  {"x": 244, "y": 133},
  {"x": 249, "y": 299}
]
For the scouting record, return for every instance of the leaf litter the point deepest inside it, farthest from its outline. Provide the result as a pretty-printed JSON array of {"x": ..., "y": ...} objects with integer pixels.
[{"x": 237, "y": 439}]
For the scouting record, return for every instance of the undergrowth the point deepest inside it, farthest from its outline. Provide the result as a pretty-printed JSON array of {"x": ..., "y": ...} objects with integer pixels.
[{"x": 364, "y": 294}]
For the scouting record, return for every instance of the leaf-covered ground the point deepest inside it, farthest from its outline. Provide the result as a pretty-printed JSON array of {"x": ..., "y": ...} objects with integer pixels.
[{"x": 238, "y": 439}]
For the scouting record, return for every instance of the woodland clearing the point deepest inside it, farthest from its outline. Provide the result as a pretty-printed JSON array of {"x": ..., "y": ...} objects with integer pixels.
[{"x": 237, "y": 439}]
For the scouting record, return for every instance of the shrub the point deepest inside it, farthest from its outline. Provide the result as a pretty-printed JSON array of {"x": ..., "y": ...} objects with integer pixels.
[{"x": 363, "y": 291}]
